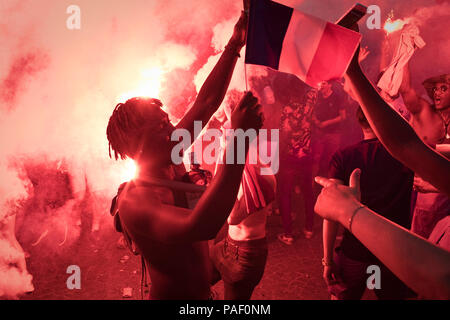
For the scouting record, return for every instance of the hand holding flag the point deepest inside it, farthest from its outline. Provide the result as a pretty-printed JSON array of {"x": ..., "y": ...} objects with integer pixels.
[
  {"x": 240, "y": 31},
  {"x": 291, "y": 41}
]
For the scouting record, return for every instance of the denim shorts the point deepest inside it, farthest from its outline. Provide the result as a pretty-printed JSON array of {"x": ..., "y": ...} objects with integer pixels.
[{"x": 241, "y": 265}]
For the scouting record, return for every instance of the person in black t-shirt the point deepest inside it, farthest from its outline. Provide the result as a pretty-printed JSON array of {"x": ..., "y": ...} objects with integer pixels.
[
  {"x": 386, "y": 187},
  {"x": 329, "y": 114}
]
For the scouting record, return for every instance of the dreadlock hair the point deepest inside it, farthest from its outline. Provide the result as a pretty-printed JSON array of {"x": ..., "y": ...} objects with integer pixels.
[{"x": 127, "y": 123}]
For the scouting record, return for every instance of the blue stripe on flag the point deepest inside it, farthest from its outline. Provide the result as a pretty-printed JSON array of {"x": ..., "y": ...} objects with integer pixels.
[{"x": 268, "y": 23}]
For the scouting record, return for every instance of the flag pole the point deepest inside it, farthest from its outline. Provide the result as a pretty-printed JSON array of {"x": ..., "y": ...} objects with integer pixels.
[
  {"x": 247, "y": 13},
  {"x": 245, "y": 75}
]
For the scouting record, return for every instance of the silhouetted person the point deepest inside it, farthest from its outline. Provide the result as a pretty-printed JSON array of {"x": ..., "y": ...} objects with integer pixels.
[{"x": 154, "y": 219}]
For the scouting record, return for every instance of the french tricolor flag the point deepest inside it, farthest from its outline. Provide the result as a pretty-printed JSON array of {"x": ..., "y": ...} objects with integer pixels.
[{"x": 291, "y": 41}]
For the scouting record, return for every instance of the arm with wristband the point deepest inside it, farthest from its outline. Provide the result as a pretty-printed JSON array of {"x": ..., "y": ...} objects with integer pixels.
[{"x": 420, "y": 264}]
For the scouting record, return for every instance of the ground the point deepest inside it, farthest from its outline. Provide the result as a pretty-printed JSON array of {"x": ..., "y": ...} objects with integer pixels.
[{"x": 293, "y": 272}]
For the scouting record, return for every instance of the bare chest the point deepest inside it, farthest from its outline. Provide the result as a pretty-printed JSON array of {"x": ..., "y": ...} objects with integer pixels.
[{"x": 431, "y": 128}]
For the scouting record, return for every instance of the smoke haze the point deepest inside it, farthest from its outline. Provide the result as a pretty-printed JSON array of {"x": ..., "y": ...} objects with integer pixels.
[{"x": 58, "y": 87}]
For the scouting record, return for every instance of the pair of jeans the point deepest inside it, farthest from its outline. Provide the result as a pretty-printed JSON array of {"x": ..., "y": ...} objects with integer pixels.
[
  {"x": 295, "y": 171},
  {"x": 429, "y": 209},
  {"x": 352, "y": 276},
  {"x": 324, "y": 146},
  {"x": 240, "y": 264}
]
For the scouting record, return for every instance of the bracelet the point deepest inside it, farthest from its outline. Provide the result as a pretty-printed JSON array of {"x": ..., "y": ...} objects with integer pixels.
[
  {"x": 326, "y": 263},
  {"x": 350, "y": 220},
  {"x": 233, "y": 48}
]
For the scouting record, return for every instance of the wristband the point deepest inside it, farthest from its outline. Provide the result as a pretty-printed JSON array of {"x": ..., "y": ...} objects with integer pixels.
[
  {"x": 350, "y": 220},
  {"x": 233, "y": 48}
]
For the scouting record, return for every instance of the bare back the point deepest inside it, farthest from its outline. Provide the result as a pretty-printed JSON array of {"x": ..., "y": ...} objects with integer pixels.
[{"x": 177, "y": 270}]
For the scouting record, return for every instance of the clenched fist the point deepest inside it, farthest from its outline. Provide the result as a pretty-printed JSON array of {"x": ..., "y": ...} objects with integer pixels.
[{"x": 247, "y": 114}]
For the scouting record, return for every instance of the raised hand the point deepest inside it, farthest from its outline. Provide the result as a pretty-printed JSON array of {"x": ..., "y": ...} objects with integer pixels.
[
  {"x": 246, "y": 5},
  {"x": 247, "y": 114},
  {"x": 363, "y": 53},
  {"x": 240, "y": 31}
]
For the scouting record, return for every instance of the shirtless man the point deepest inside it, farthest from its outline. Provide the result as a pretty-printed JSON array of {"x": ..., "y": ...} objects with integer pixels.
[
  {"x": 171, "y": 239},
  {"x": 430, "y": 120}
]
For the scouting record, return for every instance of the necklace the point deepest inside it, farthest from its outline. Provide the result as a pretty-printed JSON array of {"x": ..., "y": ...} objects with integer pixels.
[{"x": 446, "y": 124}]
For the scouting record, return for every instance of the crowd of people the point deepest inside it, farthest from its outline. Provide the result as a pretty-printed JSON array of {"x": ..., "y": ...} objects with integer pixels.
[{"x": 368, "y": 185}]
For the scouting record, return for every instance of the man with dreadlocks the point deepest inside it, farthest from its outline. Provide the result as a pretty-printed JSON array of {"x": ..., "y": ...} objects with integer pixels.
[{"x": 153, "y": 216}]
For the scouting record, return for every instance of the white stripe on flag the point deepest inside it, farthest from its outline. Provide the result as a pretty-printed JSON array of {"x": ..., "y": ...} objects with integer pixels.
[{"x": 300, "y": 43}]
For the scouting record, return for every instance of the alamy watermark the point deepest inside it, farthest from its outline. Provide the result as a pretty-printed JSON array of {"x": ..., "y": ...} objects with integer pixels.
[
  {"x": 261, "y": 150},
  {"x": 374, "y": 280},
  {"x": 74, "y": 280},
  {"x": 374, "y": 17},
  {"x": 73, "y": 22}
]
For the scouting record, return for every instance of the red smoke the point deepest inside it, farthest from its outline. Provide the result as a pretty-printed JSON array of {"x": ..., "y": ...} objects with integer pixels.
[
  {"x": 56, "y": 113},
  {"x": 22, "y": 69}
]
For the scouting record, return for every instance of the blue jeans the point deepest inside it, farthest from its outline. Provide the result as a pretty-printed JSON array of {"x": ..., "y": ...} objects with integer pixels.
[
  {"x": 295, "y": 171},
  {"x": 324, "y": 145},
  {"x": 240, "y": 264}
]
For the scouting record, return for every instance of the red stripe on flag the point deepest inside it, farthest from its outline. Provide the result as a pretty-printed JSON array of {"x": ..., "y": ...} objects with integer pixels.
[{"x": 333, "y": 55}]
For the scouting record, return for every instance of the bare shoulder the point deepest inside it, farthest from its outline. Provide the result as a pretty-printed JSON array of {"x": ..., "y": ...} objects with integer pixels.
[
  {"x": 138, "y": 204},
  {"x": 146, "y": 214}
]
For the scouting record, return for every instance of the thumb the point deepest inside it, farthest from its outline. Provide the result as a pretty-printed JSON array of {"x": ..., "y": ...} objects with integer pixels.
[{"x": 354, "y": 180}]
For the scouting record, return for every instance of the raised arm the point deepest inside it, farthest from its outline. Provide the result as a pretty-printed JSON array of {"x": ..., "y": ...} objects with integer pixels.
[
  {"x": 385, "y": 54},
  {"x": 215, "y": 86},
  {"x": 413, "y": 102},
  {"x": 396, "y": 134},
  {"x": 421, "y": 265},
  {"x": 169, "y": 224}
]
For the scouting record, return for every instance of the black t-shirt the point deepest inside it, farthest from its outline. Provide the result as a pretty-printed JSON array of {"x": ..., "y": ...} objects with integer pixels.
[
  {"x": 386, "y": 187},
  {"x": 328, "y": 108}
]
